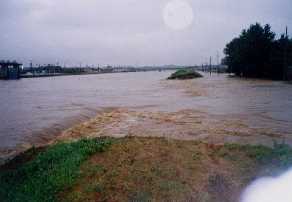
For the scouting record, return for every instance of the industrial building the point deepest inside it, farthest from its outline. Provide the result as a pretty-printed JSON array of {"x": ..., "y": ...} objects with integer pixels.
[{"x": 9, "y": 70}]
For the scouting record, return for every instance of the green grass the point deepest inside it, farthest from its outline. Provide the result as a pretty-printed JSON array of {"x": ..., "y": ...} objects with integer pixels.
[
  {"x": 137, "y": 169},
  {"x": 185, "y": 74},
  {"x": 280, "y": 154},
  {"x": 50, "y": 172}
]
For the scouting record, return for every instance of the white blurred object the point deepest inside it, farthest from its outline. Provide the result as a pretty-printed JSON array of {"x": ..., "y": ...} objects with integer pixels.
[
  {"x": 270, "y": 189},
  {"x": 178, "y": 14}
]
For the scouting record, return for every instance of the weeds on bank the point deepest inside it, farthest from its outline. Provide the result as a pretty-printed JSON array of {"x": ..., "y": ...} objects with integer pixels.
[
  {"x": 280, "y": 153},
  {"x": 137, "y": 169},
  {"x": 49, "y": 172}
]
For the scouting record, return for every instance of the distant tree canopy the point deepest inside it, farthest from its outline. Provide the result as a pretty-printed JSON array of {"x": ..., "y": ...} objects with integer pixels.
[{"x": 256, "y": 53}]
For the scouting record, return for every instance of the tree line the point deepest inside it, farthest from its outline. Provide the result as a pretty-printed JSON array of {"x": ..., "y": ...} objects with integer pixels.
[{"x": 257, "y": 53}]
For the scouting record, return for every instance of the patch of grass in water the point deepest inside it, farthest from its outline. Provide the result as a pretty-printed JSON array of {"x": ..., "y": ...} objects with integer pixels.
[
  {"x": 185, "y": 74},
  {"x": 50, "y": 172}
]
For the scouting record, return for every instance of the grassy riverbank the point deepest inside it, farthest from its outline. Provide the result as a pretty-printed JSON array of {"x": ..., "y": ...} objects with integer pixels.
[
  {"x": 39, "y": 175},
  {"x": 138, "y": 169}
]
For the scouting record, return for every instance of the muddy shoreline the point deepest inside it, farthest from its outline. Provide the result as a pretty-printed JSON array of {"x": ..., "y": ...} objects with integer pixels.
[
  {"x": 181, "y": 125},
  {"x": 186, "y": 124}
]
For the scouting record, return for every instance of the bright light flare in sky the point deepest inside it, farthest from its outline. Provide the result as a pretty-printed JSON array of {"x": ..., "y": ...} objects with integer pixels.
[{"x": 178, "y": 14}]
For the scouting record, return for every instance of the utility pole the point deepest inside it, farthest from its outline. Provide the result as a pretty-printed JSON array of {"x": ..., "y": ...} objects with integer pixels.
[
  {"x": 285, "y": 65},
  {"x": 218, "y": 63},
  {"x": 210, "y": 65}
]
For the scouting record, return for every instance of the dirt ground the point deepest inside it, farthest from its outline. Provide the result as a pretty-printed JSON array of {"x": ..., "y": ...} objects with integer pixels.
[{"x": 160, "y": 169}]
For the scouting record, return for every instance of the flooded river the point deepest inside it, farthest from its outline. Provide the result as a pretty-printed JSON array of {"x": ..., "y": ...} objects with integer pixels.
[{"x": 34, "y": 110}]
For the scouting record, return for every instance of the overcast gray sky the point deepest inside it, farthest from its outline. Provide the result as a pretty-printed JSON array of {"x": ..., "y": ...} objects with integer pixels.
[{"x": 127, "y": 31}]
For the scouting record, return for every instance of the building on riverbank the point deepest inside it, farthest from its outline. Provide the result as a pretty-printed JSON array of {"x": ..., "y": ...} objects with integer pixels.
[
  {"x": 9, "y": 70},
  {"x": 45, "y": 70}
]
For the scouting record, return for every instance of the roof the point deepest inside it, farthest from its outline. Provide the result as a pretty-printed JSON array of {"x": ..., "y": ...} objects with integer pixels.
[{"x": 2, "y": 62}]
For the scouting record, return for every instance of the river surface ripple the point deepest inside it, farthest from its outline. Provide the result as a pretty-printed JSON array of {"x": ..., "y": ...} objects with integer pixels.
[{"x": 31, "y": 110}]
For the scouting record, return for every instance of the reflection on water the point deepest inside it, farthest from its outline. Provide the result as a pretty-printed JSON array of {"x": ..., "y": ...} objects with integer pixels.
[{"x": 32, "y": 109}]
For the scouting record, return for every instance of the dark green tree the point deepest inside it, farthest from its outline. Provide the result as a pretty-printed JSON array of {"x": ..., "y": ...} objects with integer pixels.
[{"x": 256, "y": 53}]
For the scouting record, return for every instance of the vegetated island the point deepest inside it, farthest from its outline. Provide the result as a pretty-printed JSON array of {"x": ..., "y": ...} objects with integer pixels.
[{"x": 184, "y": 74}]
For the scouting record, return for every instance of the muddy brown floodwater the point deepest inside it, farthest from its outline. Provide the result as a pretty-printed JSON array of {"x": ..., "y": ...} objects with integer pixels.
[{"x": 215, "y": 108}]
